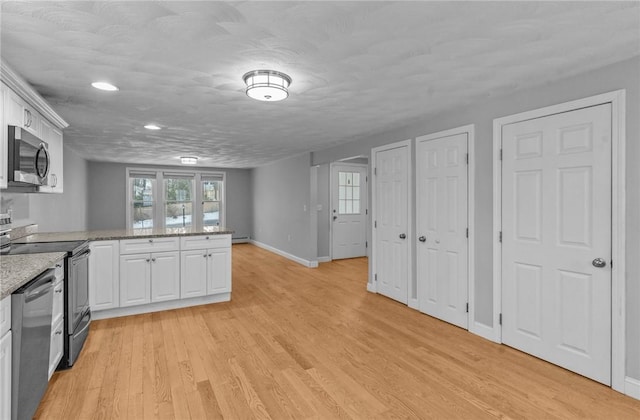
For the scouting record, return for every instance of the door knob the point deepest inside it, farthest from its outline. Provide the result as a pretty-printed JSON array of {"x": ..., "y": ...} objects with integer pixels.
[
  {"x": 422, "y": 238},
  {"x": 599, "y": 262},
  {"x": 335, "y": 217},
  {"x": 402, "y": 236}
]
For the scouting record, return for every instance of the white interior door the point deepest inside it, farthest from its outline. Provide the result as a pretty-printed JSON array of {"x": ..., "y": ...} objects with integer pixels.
[
  {"x": 391, "y": 224},
  {"x": 441, "y": 221},
  {"x": 349, "y": 210},
  {"x": 556, "y": 230}
]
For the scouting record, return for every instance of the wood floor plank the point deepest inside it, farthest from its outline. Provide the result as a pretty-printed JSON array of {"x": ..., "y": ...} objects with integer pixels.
[{"x": 311, "y": 344}]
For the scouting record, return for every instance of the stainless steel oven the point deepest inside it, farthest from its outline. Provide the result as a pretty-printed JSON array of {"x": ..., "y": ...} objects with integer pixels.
[{"x": 76, "y": 291}]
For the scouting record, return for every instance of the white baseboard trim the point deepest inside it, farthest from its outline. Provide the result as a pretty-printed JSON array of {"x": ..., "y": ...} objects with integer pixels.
[
  {"x": 241, "y": 240},
  {"x": 483, "y": 331},
  {"x": 324, "y": 259},
  {"x": 632, "y": 387},
  {"x": 160, "y": 306},
  {"x": 371, "y": 288},
  {"x": 306, "y": 263}
]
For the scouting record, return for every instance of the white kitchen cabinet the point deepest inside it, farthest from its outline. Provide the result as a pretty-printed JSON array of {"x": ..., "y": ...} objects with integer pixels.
[
  {"x": 135, "y": 279},
  {"x": 56, "y": 348},
  {"x": 165, "y": 276},
  {"x": 206, "y": 271},
  {"x": 5, "y": 358},
  {"x": 21, "y": 114},
  {"x": 193, "y": 273},
  {"x": 148, "y": 245},
  {"x": 57, "y": 319},
  {"x": 146, "y": 278},
  {"x": 53, "y": 137},
  {"x": 4, "y": 153},
  {"x": 104, "y": 275}
]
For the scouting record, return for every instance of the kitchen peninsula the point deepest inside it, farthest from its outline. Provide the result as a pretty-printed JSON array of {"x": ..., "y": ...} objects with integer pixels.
[{"x": 148, "y": 270}]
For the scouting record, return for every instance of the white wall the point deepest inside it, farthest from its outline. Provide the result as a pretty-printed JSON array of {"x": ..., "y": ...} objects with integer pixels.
[{"x": 623, "y": 75}]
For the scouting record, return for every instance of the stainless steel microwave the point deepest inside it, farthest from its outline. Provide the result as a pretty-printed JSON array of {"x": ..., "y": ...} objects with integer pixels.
[{"x": 28, "y": 162}]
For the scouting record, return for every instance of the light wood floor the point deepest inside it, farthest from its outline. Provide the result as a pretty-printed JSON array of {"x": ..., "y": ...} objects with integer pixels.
[{"x": 311, "y": 343}]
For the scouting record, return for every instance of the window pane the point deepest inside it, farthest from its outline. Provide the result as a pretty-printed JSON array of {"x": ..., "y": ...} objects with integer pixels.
[
  {"x": 356, "y": 193},
  {"x": 142, "y": 190},
  {"x": 178, "y": 214},
  {"x": 211, "y": 211},
  {"x": 178, "y": 189},
  {"x": 349, "y": 208},
  {"x": 341, "y": 178},
  {"x": 349, "y": 178},
  {"x": 341, "y": 206},
  {"x": 341, "y": 193},
  {"x": 349, "y": 193},
  {"x": 356, "y": 178},
  {"x": 211, "y": 190},
  {"x": 356, "y": 207},
  {"x": 142, "y": 215}
]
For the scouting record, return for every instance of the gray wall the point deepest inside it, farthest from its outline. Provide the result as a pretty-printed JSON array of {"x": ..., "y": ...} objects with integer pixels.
[
  {"x": 108, "y": 186},
  {"x": 324, "y": 214},
  {"x": 623, "y": 75},
  {"x": 55, "y": 212},
  {"x": 281, "y": 191}
]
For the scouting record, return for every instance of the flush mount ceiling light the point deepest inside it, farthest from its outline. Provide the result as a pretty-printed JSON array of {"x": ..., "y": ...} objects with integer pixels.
[
  {"x": 152, "y": 127},
  {"x": 188, "y": 160},
  {"x": 267, "y": 85},
  {"x": 104, "y": 86}
]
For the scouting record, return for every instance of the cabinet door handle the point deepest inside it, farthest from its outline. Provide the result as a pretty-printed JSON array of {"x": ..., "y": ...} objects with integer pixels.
[
  {"x": 55, "y": 180},
  {"x": 58, "y": 332},
  {"x": 205, "y": 255},
  {"x": 59, "y": 290},
  {"x": 150, "y": 240},
  {"x": 27, "y": 118},
  {"x": 153, "y": 260},
  {"x": 209, "y": 254},
  {"x": 207, "y": 238},
  {"x": 147, "y": 260}
]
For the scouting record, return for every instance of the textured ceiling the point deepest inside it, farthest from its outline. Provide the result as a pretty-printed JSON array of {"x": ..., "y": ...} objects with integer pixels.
[{"x": 358, "y": 67}]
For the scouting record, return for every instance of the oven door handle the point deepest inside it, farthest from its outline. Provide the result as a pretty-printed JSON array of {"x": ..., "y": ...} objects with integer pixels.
[
  {"x": 85, "y": 253},
  {"x": 88, "y": 314}
]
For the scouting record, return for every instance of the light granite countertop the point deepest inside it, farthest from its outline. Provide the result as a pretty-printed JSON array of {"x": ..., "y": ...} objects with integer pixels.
[
  {"x": 114, "y": 234},
  {"x": 17, "y": 270}
]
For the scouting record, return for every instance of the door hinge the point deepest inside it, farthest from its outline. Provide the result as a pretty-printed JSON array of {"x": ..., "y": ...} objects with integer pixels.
[
  {"x": 500, "y": 154},
  {"x": 467, "y": 307},
  {"x": 366, "y": 179},
  {"x": 375, "y": 277},
  {"x": 611, "y": 264},
  {"x": 500, "y": 319},
  {"x": 375, "y": 171},
  {"x": 467, "y": 232},
  {"x": 375, "y": 223},
  {"x": 366, "y": 211},
  {"x": 467, "y": 158},
  {"x": 500, "y": 236},
  {"x": 366, "y": 244}
]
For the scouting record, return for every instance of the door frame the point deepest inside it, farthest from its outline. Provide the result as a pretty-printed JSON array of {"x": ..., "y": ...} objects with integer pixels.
[
  {"x": 372, "y": 285},
  {"x": 618, "y": 140},
  {"x": 469, "y": 130},
  {"x": 332, "y": 205}
]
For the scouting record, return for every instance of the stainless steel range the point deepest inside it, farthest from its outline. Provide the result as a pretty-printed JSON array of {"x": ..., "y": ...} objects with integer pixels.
[{"x": 76, "y": 291}]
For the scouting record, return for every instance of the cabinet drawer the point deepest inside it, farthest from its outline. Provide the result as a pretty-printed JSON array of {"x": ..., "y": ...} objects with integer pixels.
[
  {"x": 139, "y": 246},
  {"x": 58, "y": 302},
  {"x": 56, "y": 347},
  {"x": 5, "y": 315},
  {"x": 205, "y": 242}
]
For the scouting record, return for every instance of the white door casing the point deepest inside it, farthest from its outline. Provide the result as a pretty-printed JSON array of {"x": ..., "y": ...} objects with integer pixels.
[
  {"x": 391, "y": 230},
  {"x": 577, "y": 177},
  {"x": 442, "y": 214},
  {"x": 348, "y": 210}
]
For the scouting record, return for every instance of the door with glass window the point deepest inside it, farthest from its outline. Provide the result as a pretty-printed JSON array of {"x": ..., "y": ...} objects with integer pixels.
[
  {"x": 349, "y": 210},
  {"x": 211, "y": 188}
]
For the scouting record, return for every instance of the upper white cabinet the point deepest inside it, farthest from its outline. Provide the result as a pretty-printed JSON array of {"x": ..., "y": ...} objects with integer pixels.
[
  {"x": 23, "y": 107},
  {"x": 53, "y": 137}
]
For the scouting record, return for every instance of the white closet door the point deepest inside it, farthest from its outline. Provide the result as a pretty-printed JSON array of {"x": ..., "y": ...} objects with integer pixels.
[
  {"x": 391, "y": 176},
  {"x": 556, "y": 230},
  {"x": 441, "y": 218}
]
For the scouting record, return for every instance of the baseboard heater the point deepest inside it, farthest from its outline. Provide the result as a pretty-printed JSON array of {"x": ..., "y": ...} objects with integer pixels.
[{"x": 240, "y": 239}]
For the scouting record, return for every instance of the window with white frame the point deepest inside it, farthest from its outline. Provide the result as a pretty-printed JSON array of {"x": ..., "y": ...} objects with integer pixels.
[{"x": 174, "y": 199}]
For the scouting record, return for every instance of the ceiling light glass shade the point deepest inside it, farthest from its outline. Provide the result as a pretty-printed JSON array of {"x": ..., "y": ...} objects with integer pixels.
[
  {"x": 104, "y": 86},
  {"x": 267, "y": 85},
  {"x": 152, "y": 127},
  {"x": 188, "y": 160}
]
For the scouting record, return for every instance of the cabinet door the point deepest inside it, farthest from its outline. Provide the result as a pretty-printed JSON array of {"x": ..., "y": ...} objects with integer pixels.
[
  {"x": 56, "y": 347},
  {"x": 58, "y": 302},
  {"x": 219, "y": 271},
  {"x": 104, "y": 281},
  {"x": 135, "y": 279},
  {"x": 193, "y": 273},
  {"x": 4, "y": 153},
  {"x": 53, "y": 137},
  {"x": 165, "y": 276},
  {"x": 5, "y": 376}
]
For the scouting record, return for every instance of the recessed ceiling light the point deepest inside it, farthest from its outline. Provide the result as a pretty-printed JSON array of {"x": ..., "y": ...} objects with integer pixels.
[
  {"x": 152, "y": 127},
  {"x": 188, "y": 160},
  {"x": 267, "y": 85},
  {"x": 104, "y": 86}
]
